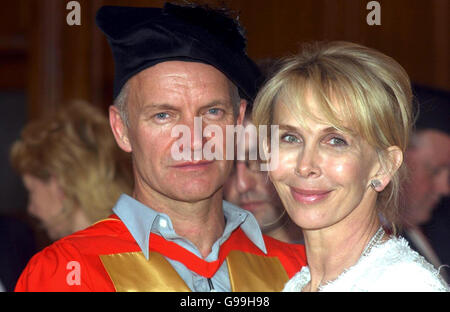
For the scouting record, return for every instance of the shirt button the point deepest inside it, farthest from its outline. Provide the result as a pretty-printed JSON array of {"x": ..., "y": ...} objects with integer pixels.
[{"x": 163, "y": 223}]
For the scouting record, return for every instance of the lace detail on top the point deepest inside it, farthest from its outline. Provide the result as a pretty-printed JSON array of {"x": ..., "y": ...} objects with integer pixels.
[{"x": 389, "y": 266}]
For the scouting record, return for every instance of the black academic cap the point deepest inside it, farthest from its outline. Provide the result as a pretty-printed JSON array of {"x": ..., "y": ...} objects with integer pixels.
[
  {"x": 433, "y": 108},
  {"x": 141, "y": 37}
]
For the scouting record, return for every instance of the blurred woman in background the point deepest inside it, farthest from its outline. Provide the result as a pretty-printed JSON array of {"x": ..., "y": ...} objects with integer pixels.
[{"x": 72, "y": 168}]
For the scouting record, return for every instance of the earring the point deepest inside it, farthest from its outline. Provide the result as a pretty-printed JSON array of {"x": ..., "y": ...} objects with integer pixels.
[{"x": 375, "y": 183}]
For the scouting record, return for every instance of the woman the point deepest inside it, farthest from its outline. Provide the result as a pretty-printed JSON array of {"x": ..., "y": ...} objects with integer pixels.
[
  {"x": 72, "y": 169},
  {"x": 344, "y": 115}
]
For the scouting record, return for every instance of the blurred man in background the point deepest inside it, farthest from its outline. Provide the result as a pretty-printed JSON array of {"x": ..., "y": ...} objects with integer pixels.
[
  {"x": 250, "y": 188},
  {"x": 428, "y": 161}
]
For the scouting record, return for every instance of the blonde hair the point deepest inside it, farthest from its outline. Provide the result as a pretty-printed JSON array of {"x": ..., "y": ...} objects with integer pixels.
[
  {"x": 373, "y": 92},
  {"x": 76, "y": 146}
]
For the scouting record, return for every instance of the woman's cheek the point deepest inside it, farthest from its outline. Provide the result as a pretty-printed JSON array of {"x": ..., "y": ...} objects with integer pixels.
[
  {"x": 343, "y": 170},
  {"x": 287, "y": 161}
]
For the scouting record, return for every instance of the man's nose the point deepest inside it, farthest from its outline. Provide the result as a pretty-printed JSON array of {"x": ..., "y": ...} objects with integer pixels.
[
  {"x": 197, "y": 140},
  {"x": 442, "y": 183},
  {"x": 245, "y": 180}
]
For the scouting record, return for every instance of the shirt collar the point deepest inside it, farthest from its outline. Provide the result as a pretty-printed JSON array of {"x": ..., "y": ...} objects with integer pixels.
[{"x": 141, "y": 220}]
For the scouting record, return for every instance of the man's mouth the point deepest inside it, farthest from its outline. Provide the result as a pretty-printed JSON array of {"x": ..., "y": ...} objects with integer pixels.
[{"x": 193, "y": 165}]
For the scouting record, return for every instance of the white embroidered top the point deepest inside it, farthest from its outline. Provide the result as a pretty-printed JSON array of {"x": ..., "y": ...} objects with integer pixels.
[{"x": 389, "y": 266}]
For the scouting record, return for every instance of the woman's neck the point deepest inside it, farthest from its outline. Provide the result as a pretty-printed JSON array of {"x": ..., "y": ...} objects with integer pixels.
[{"x": 334, "y": 249}]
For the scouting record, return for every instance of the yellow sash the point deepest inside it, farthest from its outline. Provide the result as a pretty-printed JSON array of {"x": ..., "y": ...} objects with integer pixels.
[{"x": 131, "y": 271}]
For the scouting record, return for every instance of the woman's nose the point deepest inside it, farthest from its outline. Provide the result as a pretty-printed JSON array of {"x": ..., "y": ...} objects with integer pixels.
[{"x": 307, "y": 165}]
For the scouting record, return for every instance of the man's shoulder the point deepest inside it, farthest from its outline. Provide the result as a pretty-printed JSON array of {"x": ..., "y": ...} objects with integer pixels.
[
  {"x": 292, "y": 256},
  {"x": 276, "y": 245},
  {"x": 49, "y": 269},
  {"x": 103, "y": 237}
]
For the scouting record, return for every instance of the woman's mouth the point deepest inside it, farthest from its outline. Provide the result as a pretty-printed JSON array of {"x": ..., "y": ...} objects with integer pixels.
[{"x": 309, "y": 196}]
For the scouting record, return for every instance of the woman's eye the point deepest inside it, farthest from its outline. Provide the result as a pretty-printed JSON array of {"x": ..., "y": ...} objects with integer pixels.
[
  {"x": 290, "y": 138},
  {"x": 337, "y": 141}
]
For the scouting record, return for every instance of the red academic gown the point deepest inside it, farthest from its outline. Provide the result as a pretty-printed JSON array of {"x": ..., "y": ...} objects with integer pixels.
[{"x": 105, "y": 257}]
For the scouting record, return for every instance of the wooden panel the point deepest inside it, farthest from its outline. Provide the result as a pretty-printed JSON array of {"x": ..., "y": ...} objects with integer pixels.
[
  {"x": 45, "y": 75},
  {"x": 414, "y": 32},
  {"x": 58, "y": 62},
  {"x": 13, "y": 45}
]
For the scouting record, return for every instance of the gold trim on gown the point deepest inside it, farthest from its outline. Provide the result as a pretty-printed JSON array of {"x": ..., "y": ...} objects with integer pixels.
[{"x": 131, "y": 271}]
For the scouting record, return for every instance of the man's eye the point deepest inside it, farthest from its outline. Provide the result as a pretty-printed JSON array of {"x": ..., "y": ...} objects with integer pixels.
[
  {"x": 215, "y": 111},
  {"x": 162, "y": 116}
]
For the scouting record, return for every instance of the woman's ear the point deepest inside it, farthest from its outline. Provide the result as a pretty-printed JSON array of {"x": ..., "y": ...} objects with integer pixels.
[{"x": 394, "y": 159}]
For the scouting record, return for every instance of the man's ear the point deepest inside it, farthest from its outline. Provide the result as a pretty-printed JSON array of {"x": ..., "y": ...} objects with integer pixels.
[
  {"x": 242, "y": 108},
  {"x": 394, "y": 157},
  {"x": 119, "y": 129}
]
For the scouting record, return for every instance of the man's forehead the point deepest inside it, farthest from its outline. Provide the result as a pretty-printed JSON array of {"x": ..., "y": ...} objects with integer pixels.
[
  {"x": 173, "y": 82},
  {"x": 435, "y": 139},
  {"x": 174, "y": 78},
  {"x": 434, "y": 146},
  {"x": 181, "y": 69}
]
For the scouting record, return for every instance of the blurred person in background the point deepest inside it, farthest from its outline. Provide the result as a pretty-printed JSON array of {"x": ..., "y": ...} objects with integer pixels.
[
  {"x": 428, "y": 161},
  {"x": 250, "y": 188},
  {"x": 72, "y": 169}
]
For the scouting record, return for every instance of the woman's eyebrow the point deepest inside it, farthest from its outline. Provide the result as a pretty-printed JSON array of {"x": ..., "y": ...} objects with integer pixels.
[{"x": 293, "y": 128}]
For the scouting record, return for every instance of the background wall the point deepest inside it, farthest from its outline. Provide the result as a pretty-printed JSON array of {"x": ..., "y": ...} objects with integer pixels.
[
  {"x": 52, "y": 62},
  {"x": 44, "y": 62}
]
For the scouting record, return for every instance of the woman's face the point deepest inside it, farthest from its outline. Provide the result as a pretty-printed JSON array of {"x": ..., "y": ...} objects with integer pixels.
[
  {"x": 45, "y": 202},
  {"x": 323, "y": 174}
]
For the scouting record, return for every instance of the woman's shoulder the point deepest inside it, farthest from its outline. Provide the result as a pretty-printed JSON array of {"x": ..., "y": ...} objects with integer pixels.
[
  {"x": 399, "y": 268},
  {"x": 298, "y": 281},
  {"x": 390, "y": 266}
]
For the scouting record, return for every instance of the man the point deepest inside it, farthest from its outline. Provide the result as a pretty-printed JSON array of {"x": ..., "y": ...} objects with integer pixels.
[
  {"x": 173, "y": 65},
  {"x": 428, "y": 162},
  {"x": 250, "y": 188}
]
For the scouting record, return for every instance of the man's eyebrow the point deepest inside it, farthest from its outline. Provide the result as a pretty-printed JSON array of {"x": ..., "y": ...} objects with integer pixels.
[
  {"x": 159, "y": 106},
  {"x": 169, "y": 107},
  {"x": 216, "y": 103}
]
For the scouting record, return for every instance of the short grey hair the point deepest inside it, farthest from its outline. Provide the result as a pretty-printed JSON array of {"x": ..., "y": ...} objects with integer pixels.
[
  {"x": 235, "y": 98},
  {"x": 121, "y": 101}
]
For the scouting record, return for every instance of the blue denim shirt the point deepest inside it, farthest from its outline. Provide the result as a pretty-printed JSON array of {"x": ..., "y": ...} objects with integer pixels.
[{"x": 142, "y": 220}]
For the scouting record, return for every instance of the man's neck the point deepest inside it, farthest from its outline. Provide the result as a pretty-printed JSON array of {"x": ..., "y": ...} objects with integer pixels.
[
  {"x": 287, "y": 232},
  {"x": 201, "y": 222}
]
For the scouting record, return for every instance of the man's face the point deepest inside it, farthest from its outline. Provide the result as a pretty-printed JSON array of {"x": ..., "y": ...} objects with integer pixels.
[
  {"x": 428, "y": 161},
  {"x": 165, "y": 96},
  {"x": 250, "y": 188}
]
